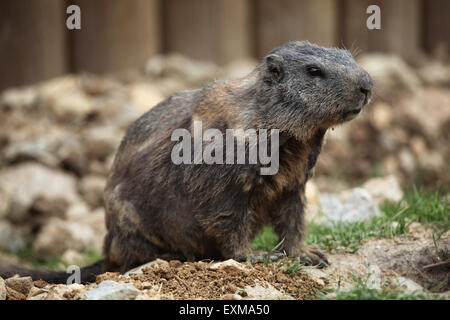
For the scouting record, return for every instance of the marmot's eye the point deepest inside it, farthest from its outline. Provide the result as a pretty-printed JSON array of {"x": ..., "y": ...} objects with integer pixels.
[{"x": 314, "y": 72}]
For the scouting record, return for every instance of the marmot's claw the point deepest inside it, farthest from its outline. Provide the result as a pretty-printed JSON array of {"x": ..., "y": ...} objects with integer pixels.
[
  {"x": 306, "y": 259},
  {"x": 314, "y": 257}
]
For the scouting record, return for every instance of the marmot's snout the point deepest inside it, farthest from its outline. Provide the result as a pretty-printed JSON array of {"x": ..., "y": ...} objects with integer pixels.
[
  {"x": 363, "y": 93},
  {"x": 365, "y": 87}
]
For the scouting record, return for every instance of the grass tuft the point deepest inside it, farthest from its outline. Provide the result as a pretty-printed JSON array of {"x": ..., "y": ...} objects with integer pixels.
[
  {"x": 361, "y": 291},
  {"x": 429, "y": 208}
]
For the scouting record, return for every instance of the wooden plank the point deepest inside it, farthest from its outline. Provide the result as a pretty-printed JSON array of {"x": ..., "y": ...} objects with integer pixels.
[
  {"x": 436, "y": 26},
  {"x": 115, "y": 34},
  {"x": 400, "y": 31},
  {"x": 280, "y": 21},
  {"x": 32, "y": 41},
  {"x": 214, "y": 30}
]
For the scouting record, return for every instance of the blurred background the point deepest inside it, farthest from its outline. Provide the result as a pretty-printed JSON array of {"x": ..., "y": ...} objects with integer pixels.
[{"x": 67, "y": 97}]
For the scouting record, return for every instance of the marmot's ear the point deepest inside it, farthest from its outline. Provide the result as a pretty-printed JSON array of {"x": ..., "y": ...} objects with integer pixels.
[{"x": 275, "y": 68}]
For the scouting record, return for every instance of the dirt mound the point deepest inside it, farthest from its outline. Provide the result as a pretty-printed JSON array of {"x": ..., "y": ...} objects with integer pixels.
[
  {"x": 176, "y": 280},
  {"x": 197, "y": 280}
]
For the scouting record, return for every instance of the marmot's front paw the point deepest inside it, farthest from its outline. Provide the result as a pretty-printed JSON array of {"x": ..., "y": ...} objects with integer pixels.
[{"x": 313, "y": 256}]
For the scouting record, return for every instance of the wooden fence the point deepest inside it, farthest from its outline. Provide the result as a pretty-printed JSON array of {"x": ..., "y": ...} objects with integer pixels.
[{"x": 35, "y": 43}]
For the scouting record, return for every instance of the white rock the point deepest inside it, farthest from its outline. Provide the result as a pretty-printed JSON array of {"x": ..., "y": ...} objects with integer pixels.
[
  {"x": 238, "y": 68},
  {"x": 101, "y": 141},
  {"x": 389, "y": 73},
  {"x": 72, "y": 257},
  {"x": 228, "y": 264},
  {"x": 64, "y": 97},
  {"x": 435, "y": 74},
  {"x": 37, "y": 294},
  {"x": 60, "y": 292},
  {"x": 375, "y": 277},
  {"x": 18, "y": 97},
  {"x": 77, "y": 211},
  {"x": 145, "y": 96},
  {"x": 192, "y": 71},
  {"x": 2, "y": 289},
  {"x": 111, "y": 290},
  {"x": 407, "y": 284},
  {"x": 25, "y": 182},
  {"x": 57, "y": 235},
  {"x": 267, "y": 292},
  {"x": 351, "y": 206},
  {"x": 384, "y": 189},
  {"x": 91, "y": 188},
  {"x": 152, "y": 264}
]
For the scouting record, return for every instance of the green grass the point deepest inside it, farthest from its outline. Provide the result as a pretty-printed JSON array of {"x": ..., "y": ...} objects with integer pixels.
[
  {"x": 291, "y": 266},
  {"x": 363, "y": 292},
  {"x": 265, "y": 240},
  {"x": 429, "y": 208}
]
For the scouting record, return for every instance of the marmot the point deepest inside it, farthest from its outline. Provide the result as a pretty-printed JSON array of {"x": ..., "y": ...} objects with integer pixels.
[{"x": 156, "y": 208}]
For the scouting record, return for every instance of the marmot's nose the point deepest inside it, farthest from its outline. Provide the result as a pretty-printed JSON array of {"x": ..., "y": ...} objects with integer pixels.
[{"x": 365, "y": 86}]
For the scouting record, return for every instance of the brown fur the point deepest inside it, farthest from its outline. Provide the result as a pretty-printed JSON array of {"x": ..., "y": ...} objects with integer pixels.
[{"x": 155, "y": 208}]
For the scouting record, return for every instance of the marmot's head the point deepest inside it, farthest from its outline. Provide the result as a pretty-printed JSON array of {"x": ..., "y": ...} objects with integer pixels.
[{"x": 306, "y": 87}]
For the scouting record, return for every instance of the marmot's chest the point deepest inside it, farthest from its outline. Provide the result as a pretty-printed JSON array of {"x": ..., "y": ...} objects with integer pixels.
[{"x": 296, "y": 164}]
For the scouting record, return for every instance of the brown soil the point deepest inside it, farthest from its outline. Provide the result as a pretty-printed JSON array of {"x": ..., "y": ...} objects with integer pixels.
[{"x": 194, "y": 280}]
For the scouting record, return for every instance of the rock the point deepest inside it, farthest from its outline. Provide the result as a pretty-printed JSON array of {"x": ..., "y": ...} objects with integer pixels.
[
  {"x": 37, "y": 294},
  {"x": 390, "y": 74},
  {"x": 267, "y": 292},
  {"x": 350, "y": 206},
  {"x": 73, "y": 291},
  {"x": 101, "y": 141},
  {"x": 2, "y": 289},
  {"x": 175, "y": 65},
  {"x": 111, "y": 290},
  {"x": 435, "y": 74},
  {"x": 407, "y": 284},
  {"x": 64, "y": 97},
  {"x": 158, "y": 263},
  {"x": 20, "y": 284},
  {"x": 25, "y": 181},
  {"x": 375, "y": 277},
  {"x": 145, "y": 96},
  {"x": 382, "y": 115},
  {"x": 77, "y": 211},
  {"x": 39, "y": 142},
  {"x": 229, "y": 264},
  {"x": 10, "y": 238},
  {"x": 72, "y": 257},
  {"x": 58, "y": 235},
  {"x": 319, "y": 281},
  {"x": 40, "y": 296},
  {"x": 12, "y": 294},
  {"x": 386, "y": 189},
  {"x": 18, "y": 98},
  {"x": 91, "y": 188},
  {"x": 407, "y": 160},
  {"x": 72, "y": 155},
  {"x": 43, "y": 208},
  {"x": 230, "y": 296},
  {"x": 238, "y": 68}
]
